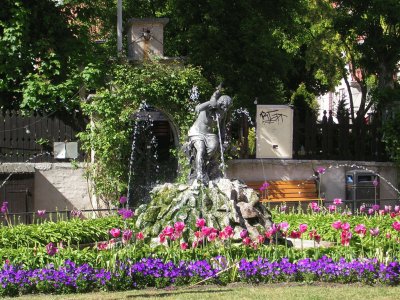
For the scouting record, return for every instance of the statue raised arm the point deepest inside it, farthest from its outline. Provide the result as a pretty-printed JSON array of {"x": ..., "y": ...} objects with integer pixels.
[{"x": 204, "y": 137}]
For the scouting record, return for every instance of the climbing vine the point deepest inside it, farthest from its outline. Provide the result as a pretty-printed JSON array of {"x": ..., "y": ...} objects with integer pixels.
[{"x": 165, "y": 86}]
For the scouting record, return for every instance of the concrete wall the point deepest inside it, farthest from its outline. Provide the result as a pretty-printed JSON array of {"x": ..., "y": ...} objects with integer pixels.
[
  {"x": 61, "y": 186},
  {"x": 332, "y": 183}
]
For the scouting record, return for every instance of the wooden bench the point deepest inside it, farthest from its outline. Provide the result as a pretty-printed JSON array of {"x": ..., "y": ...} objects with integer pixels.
[{"x": 287, "y": 190}]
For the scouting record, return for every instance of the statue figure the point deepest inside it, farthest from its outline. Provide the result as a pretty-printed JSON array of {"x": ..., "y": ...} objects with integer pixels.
[{"x": 205, "y": 136}]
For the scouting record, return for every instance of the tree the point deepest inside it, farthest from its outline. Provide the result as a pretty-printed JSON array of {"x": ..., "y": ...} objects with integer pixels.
[
  {"x": 370, "y": 32},
  {"x": 246, "y": 44}
]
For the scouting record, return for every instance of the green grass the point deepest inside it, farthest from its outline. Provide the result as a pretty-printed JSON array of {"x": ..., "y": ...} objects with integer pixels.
[{"x": 241, "y": 291}]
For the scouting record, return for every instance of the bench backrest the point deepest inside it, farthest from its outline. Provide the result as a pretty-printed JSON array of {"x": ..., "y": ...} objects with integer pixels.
[{"x": 287, "y": 190}]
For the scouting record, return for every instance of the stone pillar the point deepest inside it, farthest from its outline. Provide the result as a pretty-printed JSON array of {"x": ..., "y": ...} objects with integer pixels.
[{"x": 146, "y": 38}]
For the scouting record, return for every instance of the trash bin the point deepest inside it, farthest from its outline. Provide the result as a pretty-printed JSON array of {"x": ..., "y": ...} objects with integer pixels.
[{"x": 362, "y": 188}]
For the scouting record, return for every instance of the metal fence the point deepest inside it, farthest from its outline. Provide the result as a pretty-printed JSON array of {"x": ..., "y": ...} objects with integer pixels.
[
  {"x": 52, "y": 216},
  {"x": 326, "y": 140},
  {"x": 23, "y": 137}
]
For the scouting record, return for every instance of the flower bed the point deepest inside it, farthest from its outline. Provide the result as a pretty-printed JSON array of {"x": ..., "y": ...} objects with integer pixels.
[
  {"x": 150, "y": 272},
  {"x": 365, "y": 249}
]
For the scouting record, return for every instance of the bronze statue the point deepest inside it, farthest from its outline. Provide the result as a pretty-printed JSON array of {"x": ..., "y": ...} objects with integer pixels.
[{"x": 205, "y": 137}]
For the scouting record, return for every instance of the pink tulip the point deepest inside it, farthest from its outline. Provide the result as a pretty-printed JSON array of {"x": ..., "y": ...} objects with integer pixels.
[
  {"x": 315, "y": 236},
  {"x": 397, "y": 208},
  {"x": 332, "y": 208},
  {"x": 295, "y": 234},
  {"x": 360, "y": 229},
  {"x": 261, "y": 239},
  {"x": 222, "y": 235},
  {"x": 206, "y": 231},
  {"x": 345, "y": 226},
  {"x": 345, "y": 237},
  {"x": 184, "y": 246},
  {"x": 314, "y": 206},
  {"x": 246, "y": 241},
  {"x": 374, "y": 231},
  {"x": 140, "y": 236},
  {"x": 212, "y": 236},
  {"x": 198, "y": 234},
  {"x": 200, "y": 223},
  {"x": 271, "y": 231},
  {"x": 102, "y": 246},
  {"x": 228, "y": 230},
  {"x": 337, "y": 201},
  {"x": 303, "y": 228},
  {"x": 284, "y": 226},
  {"x": 396, "y": 225},
  {"x": 179, "y": 226},
  {"x": 337, "y": 225},
  {"x": 388, "y": 235},
  {"x": 115, "y": 232},
  {"x": 161, "y": 238},
  {"x": 168, "y": 231}
]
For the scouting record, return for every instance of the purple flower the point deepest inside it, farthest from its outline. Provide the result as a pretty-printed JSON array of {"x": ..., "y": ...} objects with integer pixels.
[
  {"x": 4, "y": 207},
  {"x": 375, "y": 182},
  {"x": 41, "y": 213},
  {"x": 243, "y": 233},
  {"x": 321, "y": 170},
  {"x": 125, "y": 213},
  {"x": 264, "y": 186},
  {"x": 76, "y": 213},
  {"x": 126, "y": 235},
  {"x": 123, "y": 200},
  {"x": 375, "y": 207},
  {"x": 51, "y": 249}
]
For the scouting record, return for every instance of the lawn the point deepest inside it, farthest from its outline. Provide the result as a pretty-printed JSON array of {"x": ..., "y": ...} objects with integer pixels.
[{"x": 243, "y": 291}]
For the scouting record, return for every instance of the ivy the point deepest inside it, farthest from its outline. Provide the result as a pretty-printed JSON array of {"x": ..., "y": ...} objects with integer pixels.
[{"x": 164, "y": 86}]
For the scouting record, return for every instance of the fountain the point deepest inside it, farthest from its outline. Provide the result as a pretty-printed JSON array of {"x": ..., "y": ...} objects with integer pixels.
[
  {"x": 143, "y": 158},
  {"x": 208, "y": 194}
]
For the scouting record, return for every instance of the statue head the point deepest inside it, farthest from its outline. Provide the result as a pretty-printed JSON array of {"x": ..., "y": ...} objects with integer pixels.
[{"x": 224, "y": 102}]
